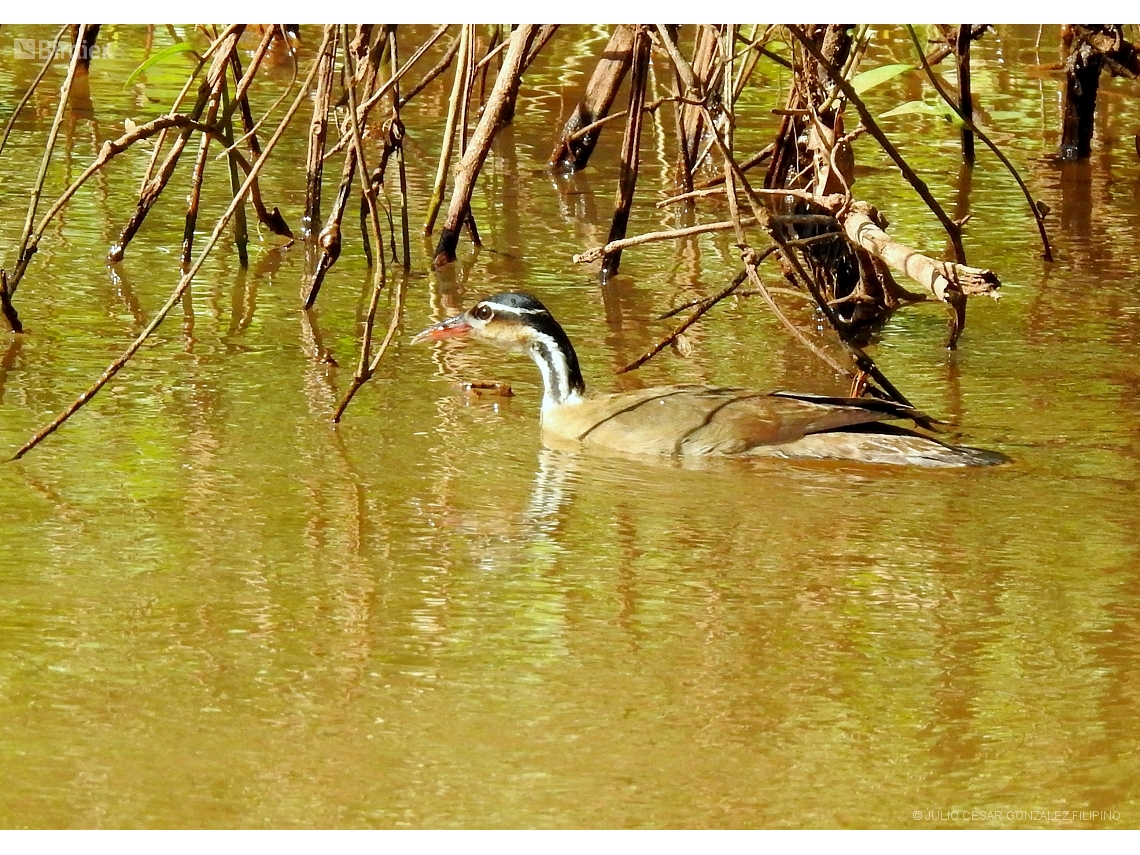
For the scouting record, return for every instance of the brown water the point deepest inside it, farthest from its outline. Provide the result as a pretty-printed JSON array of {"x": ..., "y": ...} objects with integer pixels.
[{"x": 216, "y": 610}]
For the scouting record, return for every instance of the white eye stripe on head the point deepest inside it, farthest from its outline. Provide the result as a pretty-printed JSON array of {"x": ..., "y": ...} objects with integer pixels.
[{"x": 516, "y": 310}]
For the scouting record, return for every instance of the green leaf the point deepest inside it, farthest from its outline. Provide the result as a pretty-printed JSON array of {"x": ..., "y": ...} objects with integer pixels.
[
  {"x": 921, "y": 108},
  {"x": 162, "y": 55},
  {"x": 874, "y": 76}
]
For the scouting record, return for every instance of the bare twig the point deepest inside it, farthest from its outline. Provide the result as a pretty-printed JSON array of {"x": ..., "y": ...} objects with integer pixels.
[
  {"x": 45, "y": 161},
  {"x": 803, "y": 195},
  {"x": 669, "y": 234},
  {"x": 272, "y": 220},
  {"x": 858, "y": 356},
  {"x": 32, "y": 88},
  {"x": 670, "y": 337},
  {"x": 183, "y": 283},
  {"x": 1033, "y": 207},
  {"x": 649, "y": 108},
  {"x": 106, "y": 153},
  {"x": 506, "y": 84},
  {"x": 952, "y": 228},
  {"x": 365, "y": 368},
  {"x": 458, "y": 88},
  {"x": 435, "y": 72}
]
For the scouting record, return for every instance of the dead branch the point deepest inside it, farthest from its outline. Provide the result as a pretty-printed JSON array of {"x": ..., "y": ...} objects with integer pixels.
[
  {"x": 45, "y": 161},
  {"x": 732, "y": 174},
  {"x": 184, "y": 282},
  {"x": 32, "y": 88},
  {"x": 573, "y": 152},
  {"x": 1034, "y": 209},
  {"x": 318, "y": 132},
  {"x": 942, "y": 280},
  {"x": 256, "y": 126},
  {"x": 506, "y": 83},
  {"x": 630, "y": 151}
]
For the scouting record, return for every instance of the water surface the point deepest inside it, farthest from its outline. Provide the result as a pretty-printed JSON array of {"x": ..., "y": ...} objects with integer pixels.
[{"x": 217, "y": 610}]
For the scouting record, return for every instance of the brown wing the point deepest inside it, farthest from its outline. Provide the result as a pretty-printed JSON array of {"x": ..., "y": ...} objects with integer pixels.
[{"x": 696, "y": 420}]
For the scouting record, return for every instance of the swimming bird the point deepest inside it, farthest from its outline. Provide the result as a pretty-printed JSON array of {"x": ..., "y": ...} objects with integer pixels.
[{"x": 690, "y": 420}]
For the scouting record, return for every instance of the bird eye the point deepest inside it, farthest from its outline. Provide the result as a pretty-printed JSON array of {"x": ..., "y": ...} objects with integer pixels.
[{"x": 482, "y": 312}]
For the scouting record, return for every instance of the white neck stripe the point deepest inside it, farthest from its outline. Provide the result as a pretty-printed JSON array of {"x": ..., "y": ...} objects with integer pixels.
[{"x": 552, "y": 362}]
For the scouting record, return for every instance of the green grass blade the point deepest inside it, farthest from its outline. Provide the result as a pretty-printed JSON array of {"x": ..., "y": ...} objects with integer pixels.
[{"x": 161, "y": 56}]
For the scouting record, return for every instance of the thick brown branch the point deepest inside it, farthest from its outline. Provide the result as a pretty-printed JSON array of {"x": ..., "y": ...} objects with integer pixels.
[
  {"x": 573, "y": 150},
  {"x": 506, "y": 83},
  {"x": 630, "y": 147}
]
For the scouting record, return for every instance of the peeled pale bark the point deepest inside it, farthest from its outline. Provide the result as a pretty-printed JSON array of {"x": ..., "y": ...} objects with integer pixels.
[{"x": 943, "y": 280}]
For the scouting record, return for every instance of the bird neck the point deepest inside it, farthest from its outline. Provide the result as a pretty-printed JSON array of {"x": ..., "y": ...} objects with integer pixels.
[{"x": 551, "y": 350}]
